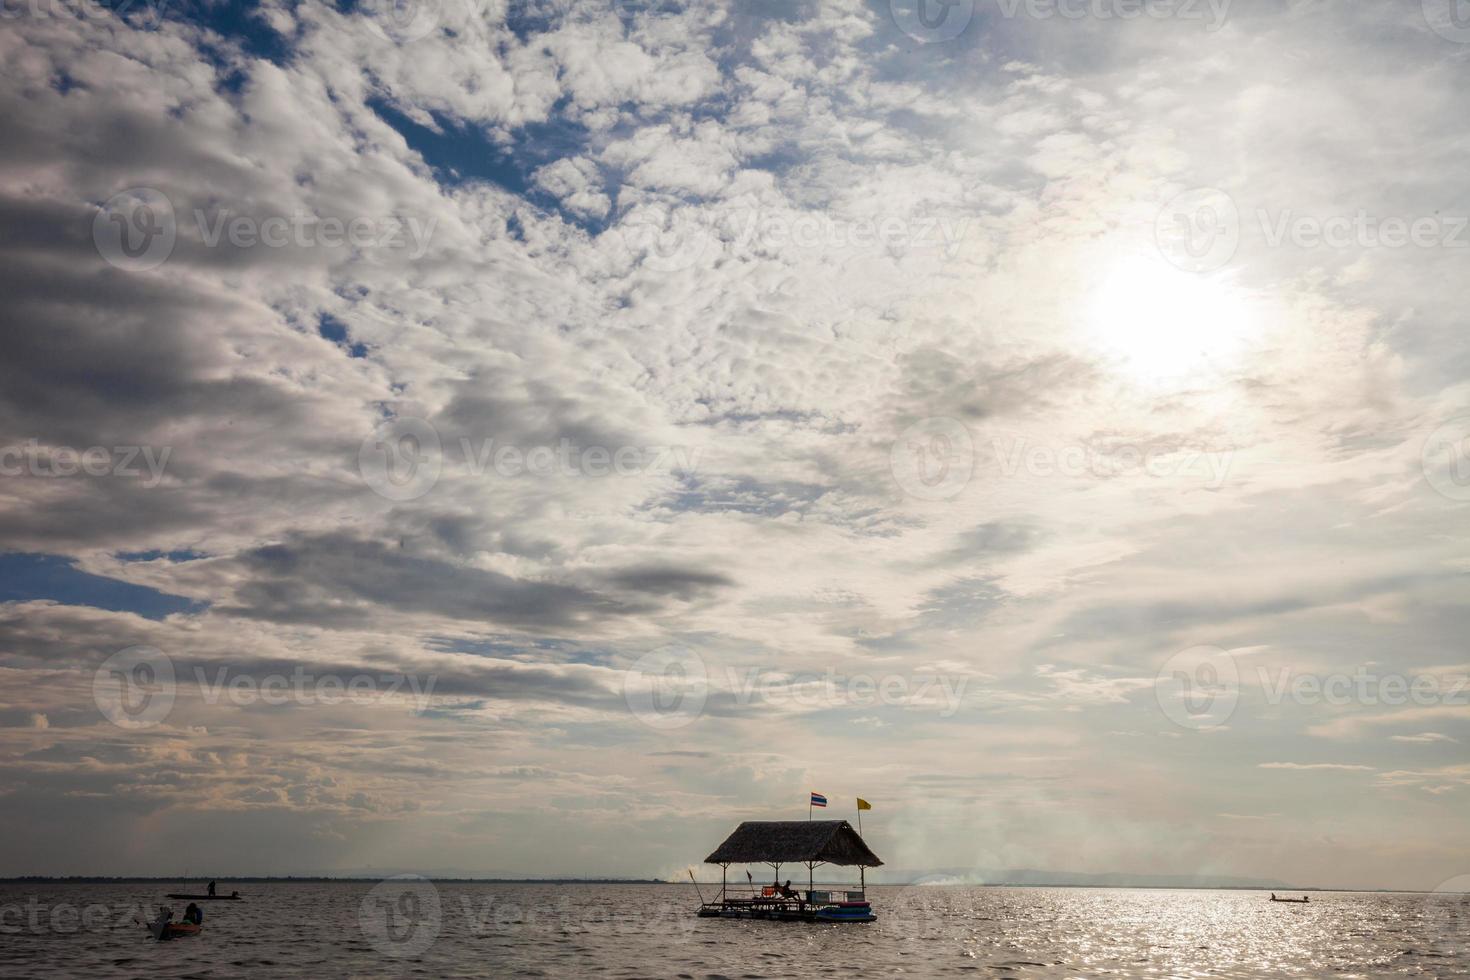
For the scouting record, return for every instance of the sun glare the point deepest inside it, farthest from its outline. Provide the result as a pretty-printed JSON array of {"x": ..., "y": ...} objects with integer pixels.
[{"x": 1163, "y": 324}]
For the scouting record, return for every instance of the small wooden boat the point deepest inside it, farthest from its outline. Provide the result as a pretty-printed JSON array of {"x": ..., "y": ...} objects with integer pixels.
[
  {"x": 206, "y": 898},
  {"x": 161, "y": 930},
  {"x": 774, "y": 843},
  {"x": 846, "y": 912},
  {"x": 1295, "y": 901}
]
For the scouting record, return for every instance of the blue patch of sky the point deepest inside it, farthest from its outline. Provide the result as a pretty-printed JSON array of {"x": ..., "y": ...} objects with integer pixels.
[
  {"x": 460, "y": 153},
  {"x": 239, "y": 21},
  {"x": 742, "y": 496},
  {"x": 457, "y": 153},
  {"x": 25, "y": 577},
  {"x": 525, "y": 21},
  {"x": 336, "y": 331},
  {"x": 453, "y": 712},
  {"x": 556, "y": 651},
  {"x": 181, "y": 555}
]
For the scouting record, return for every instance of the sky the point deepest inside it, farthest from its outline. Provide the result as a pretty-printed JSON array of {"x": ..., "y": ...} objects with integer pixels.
[{"x": 533, "y": 436}]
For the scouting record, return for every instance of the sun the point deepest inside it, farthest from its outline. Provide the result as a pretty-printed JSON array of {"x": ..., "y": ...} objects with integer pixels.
[{"x": 1163, "y": 324}]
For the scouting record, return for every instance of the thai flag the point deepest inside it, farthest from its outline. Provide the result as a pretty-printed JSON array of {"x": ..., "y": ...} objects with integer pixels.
[{"x": 818, "y": 799}]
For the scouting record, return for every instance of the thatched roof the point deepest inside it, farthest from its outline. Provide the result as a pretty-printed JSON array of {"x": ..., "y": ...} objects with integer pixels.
[{"x": 794, "y": 842}]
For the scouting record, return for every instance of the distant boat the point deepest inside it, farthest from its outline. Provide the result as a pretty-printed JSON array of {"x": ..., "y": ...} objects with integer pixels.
[
  {"x": 232, "y": 897},
  {"x": 778, "y": 842},
  {"x": 1298, "y": 901}
]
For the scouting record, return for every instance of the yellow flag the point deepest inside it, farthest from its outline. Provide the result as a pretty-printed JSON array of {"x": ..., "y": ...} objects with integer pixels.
[{"x": 864, "y": 804}]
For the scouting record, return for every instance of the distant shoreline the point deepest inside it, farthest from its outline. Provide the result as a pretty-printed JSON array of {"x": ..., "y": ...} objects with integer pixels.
[
  {"x": 361, "y": 879},
  {"x": 308, "y": 879}
]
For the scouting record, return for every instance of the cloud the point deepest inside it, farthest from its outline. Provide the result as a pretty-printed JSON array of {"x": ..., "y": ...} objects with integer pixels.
[{"x": 767, "y": 238}]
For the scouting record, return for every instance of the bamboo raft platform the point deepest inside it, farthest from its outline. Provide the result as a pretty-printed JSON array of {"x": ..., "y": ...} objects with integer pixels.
[{"x": 812, "y": 843}]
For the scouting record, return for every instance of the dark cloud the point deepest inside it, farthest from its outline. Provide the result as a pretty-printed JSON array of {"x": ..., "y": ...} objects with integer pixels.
[
  {"x": 335, "y": 580},
  {"x": 994, "y": 539},
  {"x": 668, "y": 580}
]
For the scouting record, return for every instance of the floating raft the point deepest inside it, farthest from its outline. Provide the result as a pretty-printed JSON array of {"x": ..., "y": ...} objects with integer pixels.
[
  {"x": 797, "y": 911},
  {"x": 810, "y": 843}
]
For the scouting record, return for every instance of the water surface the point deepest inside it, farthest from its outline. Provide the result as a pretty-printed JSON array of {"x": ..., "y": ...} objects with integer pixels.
[{"x": 472, "y": 930}]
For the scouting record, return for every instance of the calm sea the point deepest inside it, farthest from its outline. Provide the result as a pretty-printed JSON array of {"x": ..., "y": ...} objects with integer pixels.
[{"x": 410, "y": 928}]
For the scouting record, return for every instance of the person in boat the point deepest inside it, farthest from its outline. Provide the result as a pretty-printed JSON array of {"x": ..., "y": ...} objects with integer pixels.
[
  {"x": 194, "y": 915},
  {"x": 786, "y": 890},
  {"x": 211, "y": 889}
]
